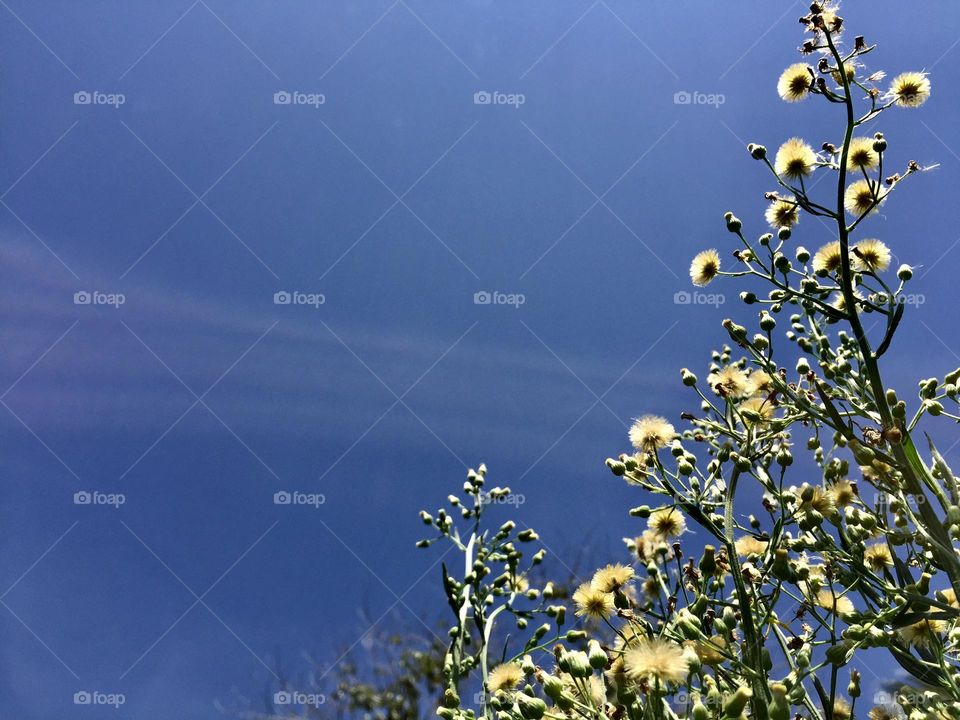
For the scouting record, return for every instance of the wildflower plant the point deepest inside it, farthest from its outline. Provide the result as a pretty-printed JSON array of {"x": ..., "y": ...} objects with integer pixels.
[{"x": 766, "y": 620}]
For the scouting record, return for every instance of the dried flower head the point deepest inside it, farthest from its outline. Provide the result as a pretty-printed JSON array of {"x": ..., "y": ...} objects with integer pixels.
[
  {"x": 651, "y": 432},
  {"x": 839, "y": 604},
  {"x": 593, "y": 603},
  {"x": 782, "y": 213},
  {"x": 504, "y": 677},
  {"x": 842, "y": 493},
  {"x": 827, "y": 259},
  {"x": 861, "y": 196},
  {"x": 667, "y": 523},
  {"x": 871, "y": 254},
  {"x": 910, "y": 89},
  {"x": 861, "y": 155},
  {"x": 705, "y": 267},
  {"x": 756, "y": 411},
  {"x": 749, "y": 545},
  {"x": 656, "y": 661},
  {"x": 877, "y": 556},
  {"x": 923, "y": 634},
  {"x": 730, "y": 382},
  {"x": 612, "y": 577},
  {"x": 760, "y": 382},
  {"x": 795, "y": 159},
  {"x": 795, "y": 82},
  {"x": 842, "y": 709}
]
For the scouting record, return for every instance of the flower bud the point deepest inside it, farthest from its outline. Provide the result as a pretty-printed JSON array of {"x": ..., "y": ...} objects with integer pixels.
[
  {"x": 575, "y": 663},
  {"x": 784, "y": 233},
  {"x": 688, "y": 378},
  {"x": 736, "y": 703},
  {"x": 733, "y": 222},
  {"x": 641, "y": 511},
  {"x": 596, "y": 655},
  {"x": 767, "y": 321},
  {"x": 531, "y": 708},
  {"x": 803, "y": 255},
  {"x": 904, "y": 273},
  {"x": 616, "y": 467},
  {"x": 757, "y": 152}
]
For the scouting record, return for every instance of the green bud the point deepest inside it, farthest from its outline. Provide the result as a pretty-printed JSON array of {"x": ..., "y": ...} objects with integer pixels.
[
  {"x": 575, "y": 663},
  {"x": 904, "y": 273},
  {"x": 757, "y": 152},
  {"x": 531, "y": 708},
  {"x": 733, "y": 222},
  {"x": 641, "y": 511},
  {"x": 803, "y": 255},
  {"x": 784, "y": 233},
  {"x": 616, "y": 467},
  {"x": 596, "y": 655},
  {"x": 736, "y": 703}
]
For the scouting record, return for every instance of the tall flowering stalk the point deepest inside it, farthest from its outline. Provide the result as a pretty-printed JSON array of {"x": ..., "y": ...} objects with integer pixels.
[{"x": 766, "y": 622}]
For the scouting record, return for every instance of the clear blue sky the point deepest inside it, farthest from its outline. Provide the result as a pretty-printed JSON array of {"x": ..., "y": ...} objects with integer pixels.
[{"x": 397, "y": 198}]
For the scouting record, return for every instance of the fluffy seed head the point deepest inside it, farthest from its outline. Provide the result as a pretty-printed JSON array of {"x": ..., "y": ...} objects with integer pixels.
[
  {"x": 782, "y": 213},
  {"x": 656, "y": 661},
  {"x": 910, "y": 89},
  {"x": 795, "y": 82},
  {"x": 667, "y": 523},
  {"x": 861, "y": 155},
  {"x": 827, "y": 259},
  {"x": 840, "y": 604},
  {"x": 593, "y": 603},
  {"x": 612, "y": 577},
  {"x": 795, "y": 159},
  {"x": 877, "y": 556},
  {"x": 729, "y": 382},
  {"x": 504, "y": 677},
  {"x": 651, "y": 432},
  {"x": 749, "y": 545},
  {"x": 923, "y": 633},
  {"x": 705, "y": 267},
  {"x": 858, "y": 198},
  {"x": 871, "y": 254}
]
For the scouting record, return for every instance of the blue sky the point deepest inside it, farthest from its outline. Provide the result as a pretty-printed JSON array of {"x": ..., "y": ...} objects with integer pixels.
[{"x": 585, "y": 189}]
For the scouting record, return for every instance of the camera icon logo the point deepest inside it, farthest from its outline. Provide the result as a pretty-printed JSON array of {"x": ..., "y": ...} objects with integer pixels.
[
  {"x": 682, "y": 97},
  {"x": 82, "y": 698},
  {"x": 82, "y": 97},
  {"x": 82, "y": 498},
  {"x": 482, "y": 298},
  {"x": 282, "y": 298},
  {"x": 82, "y": 298},
  {"x": 282, "y": 497},
  {"x": 682, "y": 297},
  {"x": 482, "y": 97},
  {"x": 282, "y": 697},
  {"x": 282, "y": 97}
]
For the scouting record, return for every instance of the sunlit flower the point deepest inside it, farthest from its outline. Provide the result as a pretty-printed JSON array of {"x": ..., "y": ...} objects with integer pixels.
[
  {"x": 871, "y": 254},
  {"x": 782, "y": 213},
  {"x": 877, "y": 556},
  {"x": 840, "y": 604},
  {"x": 705, "y": 267},
  {"x": 879, "y": 712},
  {"x": 651, "y": 432},
  {"x": 759, "y": 383},
  {"x": 711, "y": 651},
  {"x": 821, "y": 501},
  {"x": 667, "y": 523},
  {"x": 593, "y": 603},
  {"x": 504, "y": 677},
  {"x": 910, "y": 89},
  {"x": 859, "y": 197},
  {"x": 756, "y": 411},
  {"x": 649, "y": 545},
  {"x": 795, "y": 82},
  {"x": 795, "y": 159},
  {"x": 612, "y": 577},
  {"x": 861, "y": 155},
  {"x": 656, "y": 661},
  {"x": 749, "y": 545},
  {"x": 842, "y": 493},
  {"x": 827, "y": 259},
  {"x": 842, "y": 709},
  {"x": 851, "y": 70},
  {"x": 730, "y": 381},
  {"x": 923, "y": 633}
]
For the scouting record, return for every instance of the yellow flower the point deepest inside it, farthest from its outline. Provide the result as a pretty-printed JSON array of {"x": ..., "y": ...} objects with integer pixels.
[
  {"x": 842, "y": 493},
  {"x": 923, "y": 633},
  {"x": 795, "y": 82},
  {"x": 877, "y": 556},
  {"x": 910, "y": 89},
  {"x": 759, "y": 411},
  {"x": 656, "y": 661},
  {"x": 612, "y": 577},
  {"x": 593, "y": 603},
  {"x": 651, "y": 432},
  {"x": 870, "y": 254},
  {"x": 759, "y": 382},
  {"x": 730, "y": 381},
  {"x": 749, "y": 545},
  {"x": 840, "y": 604},
  {"x": 859, "y": 197},
  {"x": 710, "y": 651},
  {"x": 782, "y": 213},
  {"x": 842, "y": 709},
  {"x": 667, "y": 523},
  {"x": 861, "y": 155},
  {"x": 795, "y": 159},
  {"x": 504, "y": 677},
  {"x": 705, "y": 267},
  {"x": 827, "y": 259}
]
